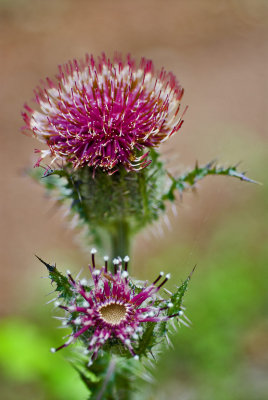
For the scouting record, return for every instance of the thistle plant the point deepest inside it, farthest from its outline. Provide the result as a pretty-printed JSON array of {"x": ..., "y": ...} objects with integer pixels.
[{"x": 101, "y": 122}]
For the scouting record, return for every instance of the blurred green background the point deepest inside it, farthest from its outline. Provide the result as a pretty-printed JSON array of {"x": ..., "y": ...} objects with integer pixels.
[{"x": 218, "y": 50}]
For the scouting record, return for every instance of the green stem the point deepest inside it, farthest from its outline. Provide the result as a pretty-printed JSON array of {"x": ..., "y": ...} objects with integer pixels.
[
  {"x": 109, "y": 374},
  {"x": 120, "y": 242},
  {"x": 143, "y": 191}
]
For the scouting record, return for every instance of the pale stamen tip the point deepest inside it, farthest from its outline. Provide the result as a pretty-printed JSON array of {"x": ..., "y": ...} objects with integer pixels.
[
  {"x": 106, "y": 258},
  {"x": 126, "y": 258},
  {"x": 53, "y": 350},
  {"x": 136, "y": 357},
  {"x": 168, "y": 276},
  {"x": 124, "y": 274},
  {"x": 96, "y": 272},
  {"x": 93, "y": 251}
]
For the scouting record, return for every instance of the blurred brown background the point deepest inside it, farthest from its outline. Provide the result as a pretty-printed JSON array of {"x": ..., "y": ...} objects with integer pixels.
[{"x": 218, "y": 51}]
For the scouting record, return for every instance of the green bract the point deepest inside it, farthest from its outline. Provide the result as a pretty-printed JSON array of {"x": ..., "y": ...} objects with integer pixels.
[{"x": 115, "y": 207}]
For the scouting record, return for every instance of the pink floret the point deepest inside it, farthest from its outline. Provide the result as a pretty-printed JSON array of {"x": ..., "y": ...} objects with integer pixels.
[{"x": 104, "y": 113}]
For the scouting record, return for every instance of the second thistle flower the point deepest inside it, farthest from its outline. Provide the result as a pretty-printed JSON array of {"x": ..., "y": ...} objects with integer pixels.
[{"x": 113, "y": 312}]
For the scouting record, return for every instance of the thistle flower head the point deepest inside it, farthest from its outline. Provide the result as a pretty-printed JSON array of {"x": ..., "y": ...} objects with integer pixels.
[
  {"x": 105, "y": 113},
  {"x": 111, "y": 310}
]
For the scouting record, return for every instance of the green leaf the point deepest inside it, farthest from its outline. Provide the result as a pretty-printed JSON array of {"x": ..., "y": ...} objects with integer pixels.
[
  {"x": 62, "y": 284},
  {"x": 147, "y": 340},
  {"x": 189, "y": 179},
  {"x": 176, "y": 298},
  {"x": 109, "y": 377}
]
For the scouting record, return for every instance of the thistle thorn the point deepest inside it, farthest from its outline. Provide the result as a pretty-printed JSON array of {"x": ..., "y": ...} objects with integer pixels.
[{"x": 51, "y": 268}]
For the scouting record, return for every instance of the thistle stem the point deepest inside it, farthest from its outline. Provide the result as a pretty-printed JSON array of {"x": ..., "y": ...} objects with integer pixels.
[
  {"x": 110, "y": 371},
  {"x": 120, "y": 239}
]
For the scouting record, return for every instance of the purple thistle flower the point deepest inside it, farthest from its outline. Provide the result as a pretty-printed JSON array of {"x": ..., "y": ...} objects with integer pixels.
[
  {"x": 105, "y": 113},
  {"x": 112, "y": 309}
]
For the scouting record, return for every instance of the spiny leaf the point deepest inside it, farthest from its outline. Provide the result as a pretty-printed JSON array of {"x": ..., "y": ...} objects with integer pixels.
[
  {"x": 109, "y": 378},
  {"x": 176, "y": 298},
  {"x": 147, "y": 340},
  {"x": 189, "y": 179},
  {"x": 62, "y": 284}
]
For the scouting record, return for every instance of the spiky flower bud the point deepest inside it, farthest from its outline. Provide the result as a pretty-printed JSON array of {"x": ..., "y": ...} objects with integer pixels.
[
  {"x": 113, "y": 312},
  {"x": 103, "y": 113}
]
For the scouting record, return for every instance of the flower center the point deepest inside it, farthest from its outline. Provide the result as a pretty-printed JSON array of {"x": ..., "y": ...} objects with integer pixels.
[{"x": 113, "y": 313}]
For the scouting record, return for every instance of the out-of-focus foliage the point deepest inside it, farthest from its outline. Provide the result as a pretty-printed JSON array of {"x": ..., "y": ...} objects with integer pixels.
[
  {"x": 224, "y": 355},
  {"x": 30, "y": 370}
]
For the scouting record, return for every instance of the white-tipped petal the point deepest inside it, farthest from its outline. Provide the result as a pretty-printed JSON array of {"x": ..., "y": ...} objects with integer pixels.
[{"x": 69, "y": 340}]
